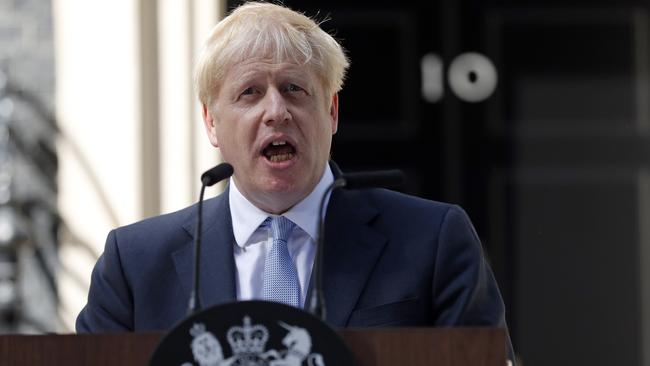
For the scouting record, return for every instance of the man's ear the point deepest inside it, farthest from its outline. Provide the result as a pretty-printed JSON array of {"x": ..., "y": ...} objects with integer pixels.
[
  {"x": 334, "y": 112},
  {"x": 210, "y": 125}
]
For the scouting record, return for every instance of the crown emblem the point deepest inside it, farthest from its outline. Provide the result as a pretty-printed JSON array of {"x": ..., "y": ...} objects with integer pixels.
[{"x": 248, "y": 339}]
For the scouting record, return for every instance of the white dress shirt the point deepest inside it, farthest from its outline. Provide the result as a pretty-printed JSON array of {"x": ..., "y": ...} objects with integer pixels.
[{"x": 253, "y": 241}]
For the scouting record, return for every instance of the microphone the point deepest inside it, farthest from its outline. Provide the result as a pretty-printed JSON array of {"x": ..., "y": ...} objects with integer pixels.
[
  {"x": 216, "y": 174},
  {"x": 393, "y": 178},
  {"x": 359, "y": 180},
  {"x": 209, "y": 178}
]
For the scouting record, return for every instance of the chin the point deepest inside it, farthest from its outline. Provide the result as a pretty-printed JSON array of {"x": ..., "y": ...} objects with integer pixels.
[
  {"x": 279, "y": 186},
  {"x": 287, "y": 189}
]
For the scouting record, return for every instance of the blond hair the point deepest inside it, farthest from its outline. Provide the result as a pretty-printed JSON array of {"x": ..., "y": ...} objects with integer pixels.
[{"x": 268, "y": 30}]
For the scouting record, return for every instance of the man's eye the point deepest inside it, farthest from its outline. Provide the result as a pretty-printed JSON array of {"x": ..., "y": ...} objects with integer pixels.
[
  {"x": 293, "y": 88},
  {"x": 248, "y": 91}
]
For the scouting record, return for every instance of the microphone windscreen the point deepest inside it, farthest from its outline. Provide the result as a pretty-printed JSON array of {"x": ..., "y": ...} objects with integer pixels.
[
  {"x": 393, "y": 178},
  {"x": 217, "y": 174}
]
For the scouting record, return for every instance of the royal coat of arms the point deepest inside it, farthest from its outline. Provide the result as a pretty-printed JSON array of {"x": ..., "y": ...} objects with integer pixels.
[{"x": 248, "y": 345}]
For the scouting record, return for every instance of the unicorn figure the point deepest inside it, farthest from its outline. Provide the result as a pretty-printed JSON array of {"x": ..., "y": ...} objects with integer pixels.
[{"x": 298, "y": 343}]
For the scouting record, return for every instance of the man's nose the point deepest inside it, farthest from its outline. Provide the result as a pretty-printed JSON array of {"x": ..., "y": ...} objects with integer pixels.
[{"x": 275, "y": 108}]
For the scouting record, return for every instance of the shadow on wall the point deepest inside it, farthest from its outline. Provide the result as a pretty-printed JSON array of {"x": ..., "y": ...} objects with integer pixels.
[{"x": 30, "y": 224}]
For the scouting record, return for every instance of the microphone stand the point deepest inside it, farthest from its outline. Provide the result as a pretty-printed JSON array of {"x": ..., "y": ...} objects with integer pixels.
[
  {"x": 360, "y": 180},
  {"x": 317, "y": 300},
  {"x": 209, "y": 178},
  {"x": 195, "y": 300}
]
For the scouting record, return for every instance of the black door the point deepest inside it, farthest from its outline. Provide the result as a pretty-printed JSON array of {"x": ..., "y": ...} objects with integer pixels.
[{"x": 552, "y": 166}]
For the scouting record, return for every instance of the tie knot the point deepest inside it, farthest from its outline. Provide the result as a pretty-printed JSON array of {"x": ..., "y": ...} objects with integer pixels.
[{"x": 281, "y": 227}]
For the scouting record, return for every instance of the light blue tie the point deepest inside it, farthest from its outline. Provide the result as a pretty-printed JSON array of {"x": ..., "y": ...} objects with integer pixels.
[{"x": 280, "y": 275}]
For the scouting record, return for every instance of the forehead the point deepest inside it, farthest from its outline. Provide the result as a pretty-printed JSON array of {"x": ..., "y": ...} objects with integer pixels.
[{"x": 268, "y": 67}]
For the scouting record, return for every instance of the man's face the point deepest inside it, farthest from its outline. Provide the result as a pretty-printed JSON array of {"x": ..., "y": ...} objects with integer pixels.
[{"x": 274, "y": 124}]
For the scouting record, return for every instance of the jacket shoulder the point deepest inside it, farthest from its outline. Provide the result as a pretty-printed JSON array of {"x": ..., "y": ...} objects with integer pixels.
[
  {"x": 184, "y": 217},
  {"x": 403, "y": 213},
  {"x": 167, "y": 230}
]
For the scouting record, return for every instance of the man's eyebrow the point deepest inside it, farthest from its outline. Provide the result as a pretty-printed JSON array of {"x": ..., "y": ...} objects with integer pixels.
[
  {"x": 297, "y": 74},
  {"x": 292, "y": 73},
  {"x": 241, "y": 80},
  {"x": 246, "y": 76}
]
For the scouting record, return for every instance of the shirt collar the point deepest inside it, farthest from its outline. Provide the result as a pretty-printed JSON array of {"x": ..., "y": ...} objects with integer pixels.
[{"x": 246, "y": 217}]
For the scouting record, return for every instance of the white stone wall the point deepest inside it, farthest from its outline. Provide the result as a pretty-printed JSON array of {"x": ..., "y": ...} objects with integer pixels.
[{"x": 132, "y": 142}]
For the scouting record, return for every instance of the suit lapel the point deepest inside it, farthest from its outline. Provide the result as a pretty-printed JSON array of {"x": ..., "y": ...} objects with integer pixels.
[
  {"x": 351, "y": 250},
  {"x": 217, "y": 281}
]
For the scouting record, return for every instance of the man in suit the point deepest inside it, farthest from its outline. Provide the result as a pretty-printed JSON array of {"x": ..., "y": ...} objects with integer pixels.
[{"x": 268, "y": 81}]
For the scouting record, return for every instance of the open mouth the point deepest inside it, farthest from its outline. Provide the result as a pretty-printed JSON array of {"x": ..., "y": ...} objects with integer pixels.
[{"x": 278, "y": 151}]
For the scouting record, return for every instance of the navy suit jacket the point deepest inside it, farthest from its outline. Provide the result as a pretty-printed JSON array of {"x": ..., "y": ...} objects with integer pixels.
[{"x": 389, "y": 260}]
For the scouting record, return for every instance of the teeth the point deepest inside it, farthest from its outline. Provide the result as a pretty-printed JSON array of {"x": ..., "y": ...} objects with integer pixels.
[
  {"x": 279, "y": 143},
  {"x": 280, "y": 157}
]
